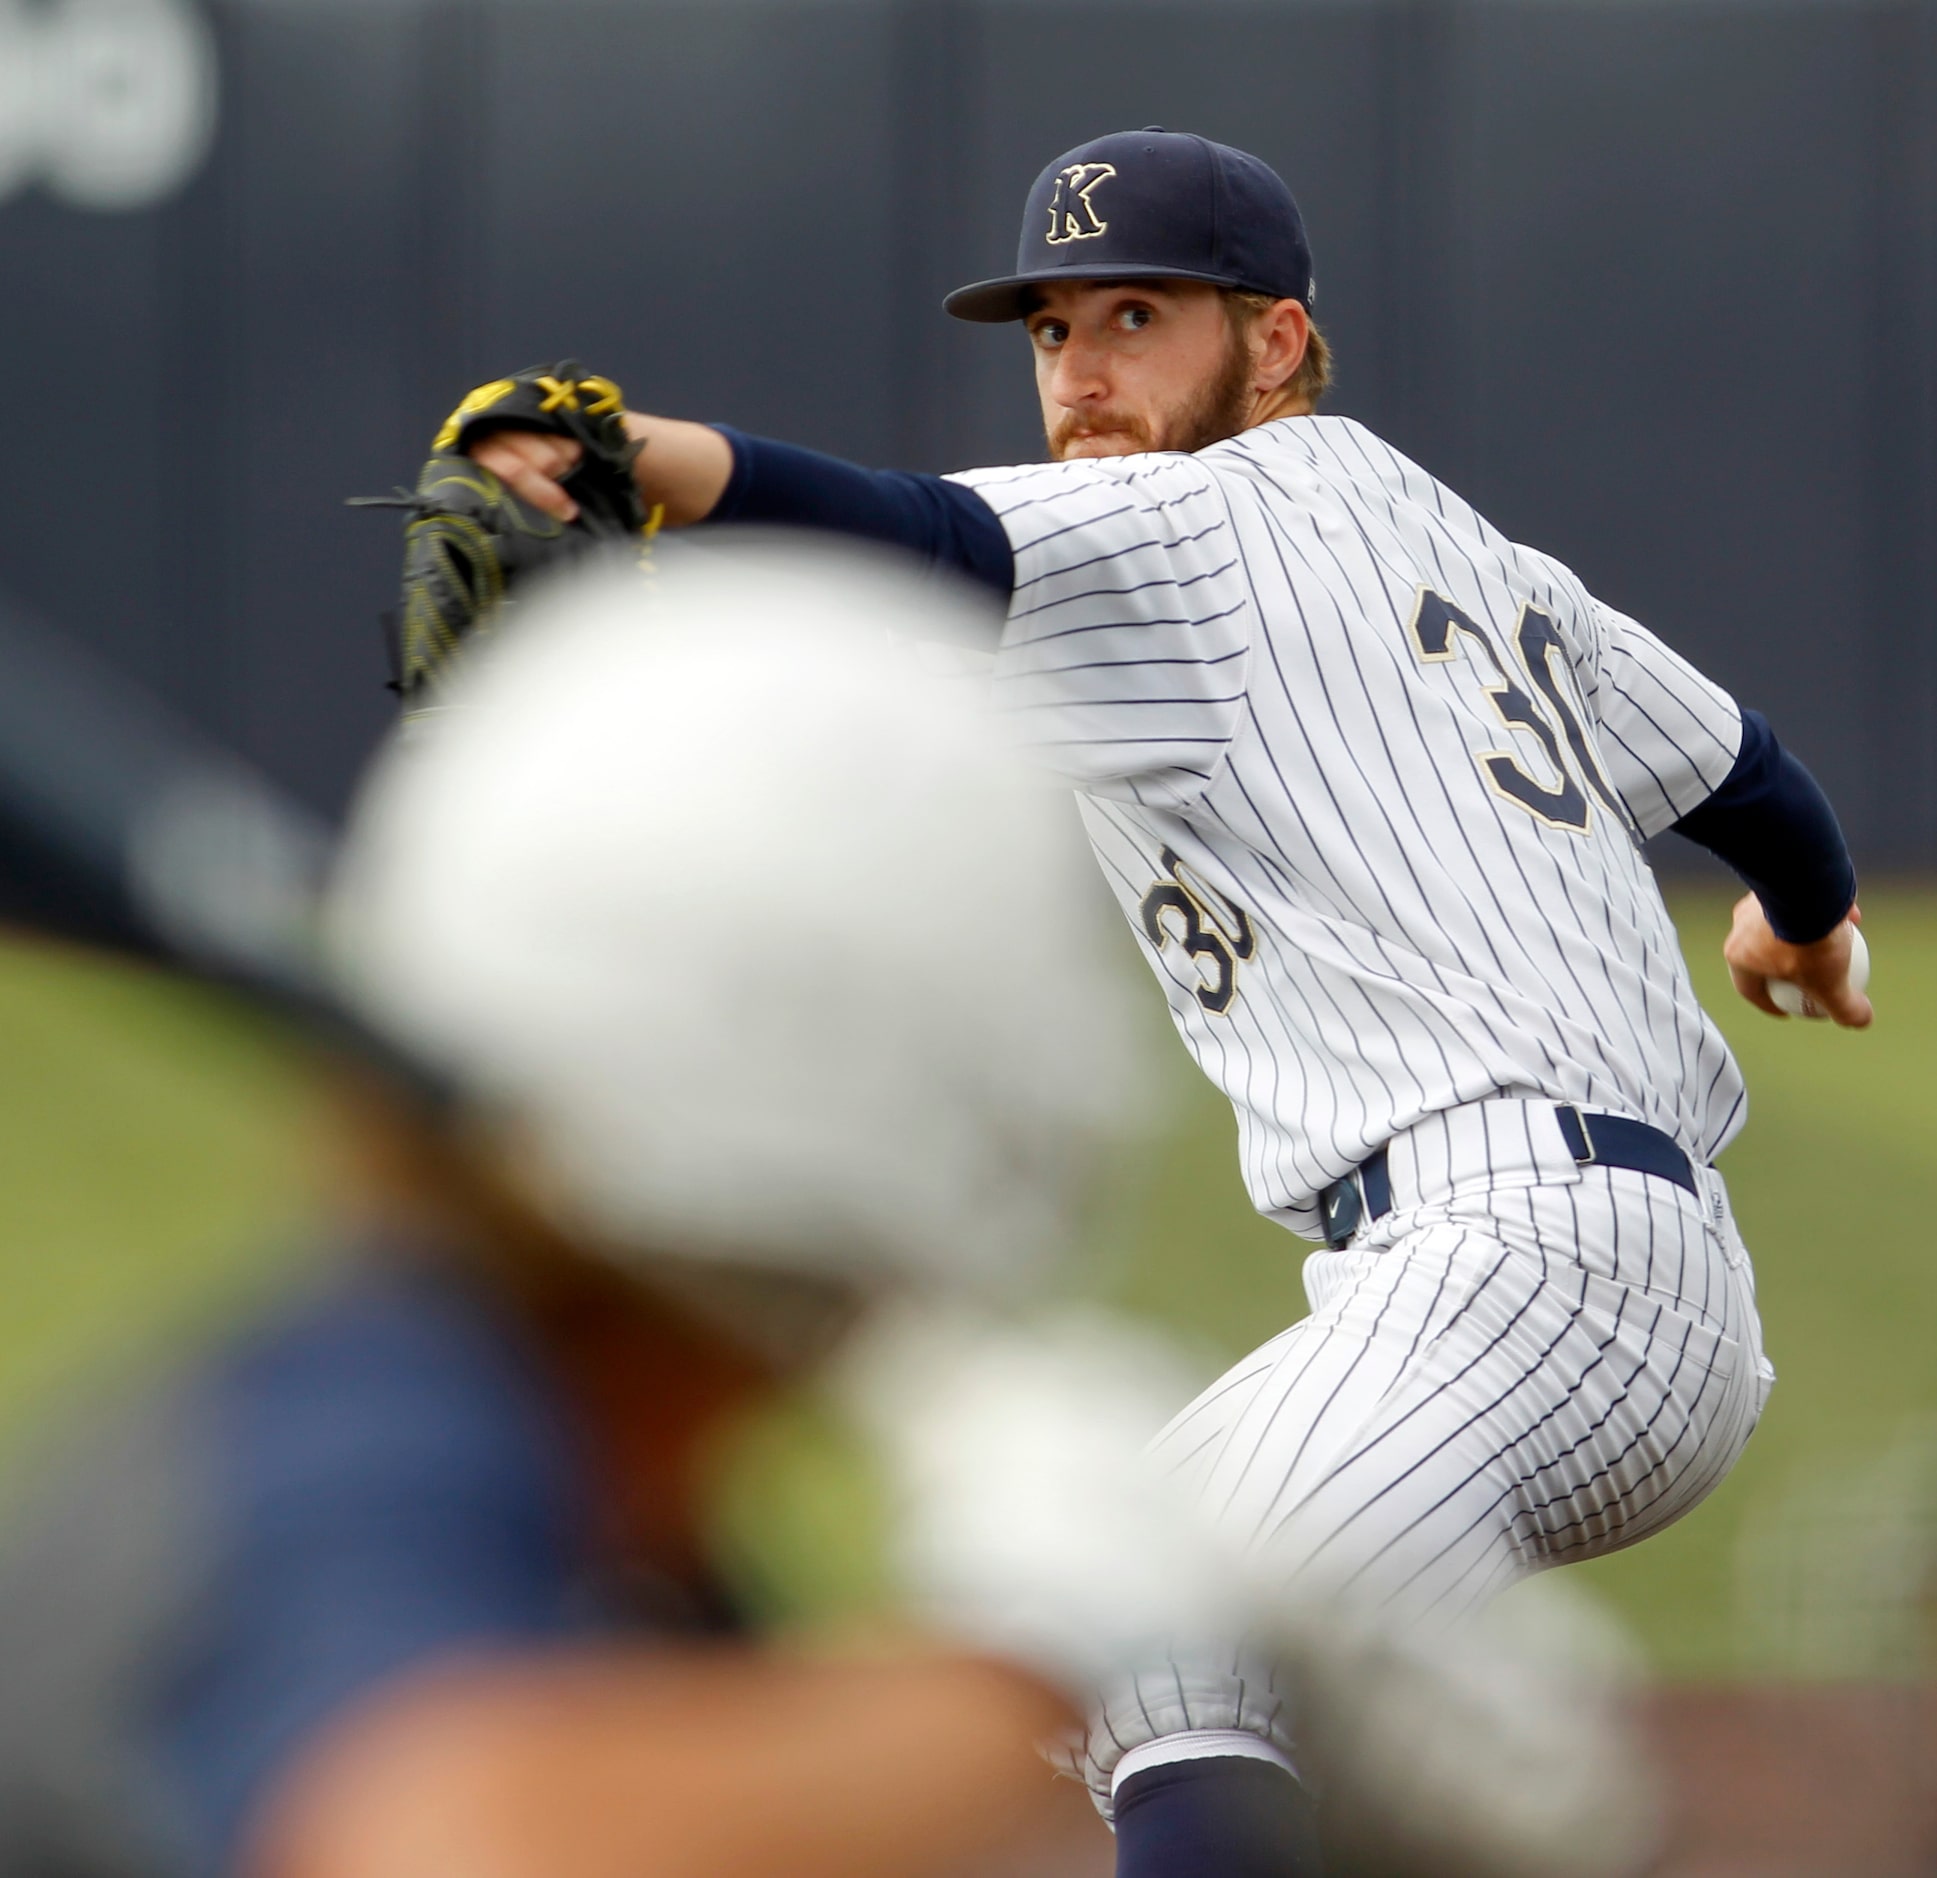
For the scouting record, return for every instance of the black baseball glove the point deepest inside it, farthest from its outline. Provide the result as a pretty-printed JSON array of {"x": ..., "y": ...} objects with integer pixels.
[{"x": 470, "y": 541}]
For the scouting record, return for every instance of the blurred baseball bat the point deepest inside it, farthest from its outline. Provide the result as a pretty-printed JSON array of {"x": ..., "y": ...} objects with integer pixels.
[{"x": 122, "y": 827}]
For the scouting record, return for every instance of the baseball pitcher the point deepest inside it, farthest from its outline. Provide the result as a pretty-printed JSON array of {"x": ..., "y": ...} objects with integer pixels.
[{"x": 1371, "y": 783}]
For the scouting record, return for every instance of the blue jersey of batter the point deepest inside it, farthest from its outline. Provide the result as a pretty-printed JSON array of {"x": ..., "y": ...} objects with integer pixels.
[{"x": 381, "y": 1475}]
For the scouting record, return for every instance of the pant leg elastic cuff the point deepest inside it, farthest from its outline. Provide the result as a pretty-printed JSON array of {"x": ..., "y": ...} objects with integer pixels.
[{"x": 1201, "y": 1744}]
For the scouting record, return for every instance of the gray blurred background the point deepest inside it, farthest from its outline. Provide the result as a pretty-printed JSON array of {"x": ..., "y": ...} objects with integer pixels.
[{"x": 1654, "y": 284}]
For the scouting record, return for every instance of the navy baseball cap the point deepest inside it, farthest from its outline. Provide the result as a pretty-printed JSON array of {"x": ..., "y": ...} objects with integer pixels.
[{"x": 1152, "y": 204}]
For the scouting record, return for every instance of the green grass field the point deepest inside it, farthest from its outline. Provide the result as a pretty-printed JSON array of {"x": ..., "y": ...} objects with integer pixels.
[{"x": 152, "y": 1161}]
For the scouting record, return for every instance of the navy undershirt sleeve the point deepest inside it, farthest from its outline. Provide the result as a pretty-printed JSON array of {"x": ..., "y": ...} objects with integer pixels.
[
  {"x": 942, "y": 523},
  {"x": 1771, "y": 822}
]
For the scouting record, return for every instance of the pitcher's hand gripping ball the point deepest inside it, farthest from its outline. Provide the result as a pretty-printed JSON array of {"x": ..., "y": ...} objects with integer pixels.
[
  {"x": 470, "y": 542},
  {"x": 1789, "y": 996}
]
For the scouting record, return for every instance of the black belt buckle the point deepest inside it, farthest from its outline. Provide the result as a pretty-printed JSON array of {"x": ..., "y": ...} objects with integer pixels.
[{"x": 1342, "y": 1207}]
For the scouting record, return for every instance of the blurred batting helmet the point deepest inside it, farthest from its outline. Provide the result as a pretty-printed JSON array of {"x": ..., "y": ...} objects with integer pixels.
[{"x": 746, "y": 926}]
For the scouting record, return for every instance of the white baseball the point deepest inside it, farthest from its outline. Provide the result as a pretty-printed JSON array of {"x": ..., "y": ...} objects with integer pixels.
[{"x": 1789, "y": 996}]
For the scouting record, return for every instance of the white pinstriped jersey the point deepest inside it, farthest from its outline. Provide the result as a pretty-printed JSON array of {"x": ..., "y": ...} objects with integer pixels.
[{"x": 1369, "y": 780}]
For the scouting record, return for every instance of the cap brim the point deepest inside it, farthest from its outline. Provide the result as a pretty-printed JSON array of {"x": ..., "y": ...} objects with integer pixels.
[{"x": 993, "y": 301}]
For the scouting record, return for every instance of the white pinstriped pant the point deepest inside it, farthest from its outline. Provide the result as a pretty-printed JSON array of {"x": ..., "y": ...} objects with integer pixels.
[{"x": 1526, "y": 1362}]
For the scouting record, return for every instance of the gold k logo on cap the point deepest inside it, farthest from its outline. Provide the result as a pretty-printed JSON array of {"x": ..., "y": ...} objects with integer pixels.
[{"x": 1072, "y": 215}]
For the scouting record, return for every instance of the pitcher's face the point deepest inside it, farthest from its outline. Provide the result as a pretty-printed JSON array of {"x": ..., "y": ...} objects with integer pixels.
[{"x": 1128, "y": 366}]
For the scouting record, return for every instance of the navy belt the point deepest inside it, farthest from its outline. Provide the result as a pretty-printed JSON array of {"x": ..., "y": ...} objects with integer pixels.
[{"x": 1593, "y": 1140}]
